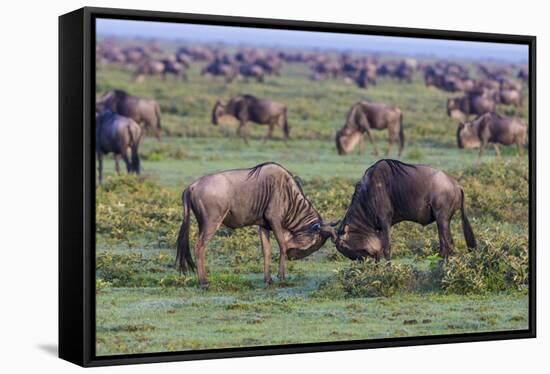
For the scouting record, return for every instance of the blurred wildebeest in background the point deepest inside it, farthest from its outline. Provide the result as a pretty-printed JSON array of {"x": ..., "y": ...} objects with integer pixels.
[
  {"x": 250, "y": 108},
  {"x": 220, "y": 68},
  {"x": 115, "y": 133},
  {"x": 463, "y": 107},
  {"x": 491, "y": 128},
  {"x": 267, "y": 196},
  {"x": 248, "y": 70},
  {"x": 142, "y": 110},
  {"x": 149, "y": 68},
  {"x": 391, "y": 192},
  {"x": 365, "y": 116},
  {"x": 523, "y": 74}
]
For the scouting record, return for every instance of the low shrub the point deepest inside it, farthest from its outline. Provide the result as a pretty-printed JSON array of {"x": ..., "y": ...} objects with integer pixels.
[
  {"x": 490, "y": 268},
  {"x": 371, "y": 279}
]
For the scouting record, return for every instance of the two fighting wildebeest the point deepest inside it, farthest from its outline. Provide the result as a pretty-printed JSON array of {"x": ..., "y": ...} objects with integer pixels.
[{"x": 269, "y": 196}]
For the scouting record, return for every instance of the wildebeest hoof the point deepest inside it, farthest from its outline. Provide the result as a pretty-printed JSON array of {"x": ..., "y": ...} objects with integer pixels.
[
  {"x": 204, "y": 285},
  {"x": 268, "y": 281}
]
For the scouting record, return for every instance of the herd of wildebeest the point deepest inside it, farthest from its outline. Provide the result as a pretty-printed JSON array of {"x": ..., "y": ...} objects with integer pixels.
[{"x": 268, "y": 195}]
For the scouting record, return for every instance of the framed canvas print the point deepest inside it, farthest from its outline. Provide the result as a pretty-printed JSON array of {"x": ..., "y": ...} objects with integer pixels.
[{"x": 237, "y": 186}]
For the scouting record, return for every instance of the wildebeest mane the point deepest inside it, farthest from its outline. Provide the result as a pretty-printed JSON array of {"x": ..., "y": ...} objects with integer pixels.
[
  {"x": 299, "y": 203},
  {"x": 120, "y": 95},
  {"x": 368, "y": 206}
]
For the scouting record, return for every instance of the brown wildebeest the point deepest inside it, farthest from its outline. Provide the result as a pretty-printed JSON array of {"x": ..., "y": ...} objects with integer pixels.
[
  {"x": 462, "y": 107},
  {"x": 267, "y": 196},
  {"x": 512, "y": 97},
  {"x": 142, "y": 110},
  {"x": 250, "y": 108},
  {"x": 391, "y": 192},
  {"x": 115, "y": 133},
  {"x": 491, "y": 128},
  {"x": 365, "y": 116}
]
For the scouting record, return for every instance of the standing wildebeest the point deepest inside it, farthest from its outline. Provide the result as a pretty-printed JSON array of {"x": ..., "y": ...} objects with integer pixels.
[
  {"x": 365, "y": 116},
  {"x": 267, "y": 196},
  {"x": 512, "y": 97},
  {"x": 250, "y": 108},
  {"x": 462, "y": 107},
  {"x": 491, "y": 128},
  {"x": 391, "y": 192},
  {"x": 142, "y": 110},
  {"x": 115, "y": 133}
]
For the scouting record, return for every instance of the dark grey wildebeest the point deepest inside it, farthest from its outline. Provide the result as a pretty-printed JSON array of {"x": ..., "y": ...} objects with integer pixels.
[
  {"x": 115, "y": 134},
  {"x": 491, "y": 128},
  {"x": 267, "y": 196},
  {"x": 365, "y": 116},
  {"x": 391, "y": 192},
  {"x": 142, "y": 110},
  {"x": 250, "y": 108}
]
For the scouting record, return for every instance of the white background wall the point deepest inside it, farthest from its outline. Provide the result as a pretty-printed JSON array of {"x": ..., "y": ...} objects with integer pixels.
[{"x": 28, "y": 183}]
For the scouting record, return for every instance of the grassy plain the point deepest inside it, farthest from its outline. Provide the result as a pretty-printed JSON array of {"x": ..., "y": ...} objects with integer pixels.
[{"x": 145, "y": 305}]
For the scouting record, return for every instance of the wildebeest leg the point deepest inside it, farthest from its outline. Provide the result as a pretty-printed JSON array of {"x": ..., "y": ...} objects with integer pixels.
[
  {"x": 362, "y": 145},
  {"x": 241, "y": 131},
  {"x": 99, "y": 156},
  {"x": 386, "y": 243},
  {"x": 266, "y": 249},
  {"x": 520, "y": 148},
  {"x": 446, "y": 244},
  {"x": 371, "y": 140},
  {"x": 390, "y": 143},
  {"x": 126, "y": 161},
  {"x": 497, "y": 150},
  {"x": 481, "y": 147},
  {"x": 117, "y": 164},
  {"x": 269, "y": 132},
  {"x": 278, "y": 232},
  {"x": 205, "y": 235}
]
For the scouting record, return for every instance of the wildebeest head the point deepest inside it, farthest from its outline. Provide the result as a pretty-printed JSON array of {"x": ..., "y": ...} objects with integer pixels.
[
  {"x": 346, "y": 140},
  {"x": 466, "y": 136},
  {"x": 356, "y": 244},
  {"x": 217, "y": 112},
  {"x": 309, "y": 239}
]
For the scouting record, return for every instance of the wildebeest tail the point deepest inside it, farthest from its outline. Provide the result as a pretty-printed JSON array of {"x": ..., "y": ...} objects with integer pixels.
[
  {"x": 468, "y": 233},
  {"x": 134, "y": 142},
  {"x": 184, "y": 260},
  {"x": 159, "y": 127},
  {"x": 401, "y": 134},
  {"x": 286, "y": 128}
]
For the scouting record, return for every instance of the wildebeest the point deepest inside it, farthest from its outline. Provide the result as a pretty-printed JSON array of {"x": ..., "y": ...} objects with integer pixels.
[
  {"x": 219, "y": 68},
  {"x": 512, "y": 97},
  {"x": 365, "y": 116},
  {"x": 115, "y": 133},
  {"x": 491, "y": 128},
  {"x": 250, "y": 108},
  {"x": 247, "y": 70},
  {"x": 267, "y": 196},
  {"x": 462, "y": 107},
  {"x": 391, "y": 192},
  {"x": 142, "y": 110}
]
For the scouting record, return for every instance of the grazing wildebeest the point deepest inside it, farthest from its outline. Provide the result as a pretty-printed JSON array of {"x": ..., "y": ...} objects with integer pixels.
[
  {"x": 218, "y": 68},
  {"x": 462, "y": 107},
  {"x": 267, "y": 196},
  {"x": 250, "y": 108},
  {"x": 247, "y": 70},
  {"x": 142, "y": 110},
  {"x": 115, "y": 133},
  {"x": 491, "y": 128},
  {"x": 391, "y": 192},
  {"x": 512, "y": 97},
  {"x": 365, "y": 116}
]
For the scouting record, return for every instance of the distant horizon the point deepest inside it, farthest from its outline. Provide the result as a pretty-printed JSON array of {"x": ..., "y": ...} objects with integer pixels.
[{"x": 292, "y": 39}]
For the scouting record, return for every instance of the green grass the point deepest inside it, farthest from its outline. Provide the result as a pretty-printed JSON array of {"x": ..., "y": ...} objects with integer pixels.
[{"x": 145, "y": 305}]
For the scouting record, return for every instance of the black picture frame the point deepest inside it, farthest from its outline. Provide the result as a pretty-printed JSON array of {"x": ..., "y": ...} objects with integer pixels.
[{"x": 77, "y": 185}]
